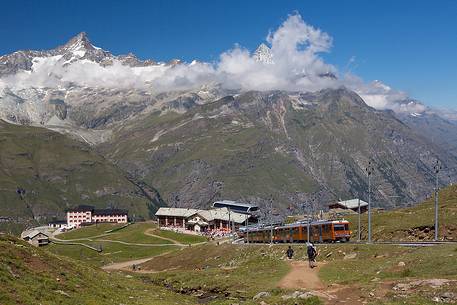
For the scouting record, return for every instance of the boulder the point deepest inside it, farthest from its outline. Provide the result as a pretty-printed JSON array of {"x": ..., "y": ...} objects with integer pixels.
[
  {"x": 350, "y": 255},
  {"x": 261, "y": 295}
]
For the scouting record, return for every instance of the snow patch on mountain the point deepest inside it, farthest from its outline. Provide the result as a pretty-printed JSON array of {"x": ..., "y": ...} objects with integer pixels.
[
  {"x": 79, "y": 74},
  {"x": 263, "y": 54}
]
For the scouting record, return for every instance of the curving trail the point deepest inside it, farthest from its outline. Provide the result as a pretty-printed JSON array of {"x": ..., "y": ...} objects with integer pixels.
[
  {"x": 150, "y": 232},
  {"x": 301, "y": 276},
  {"x": 127, "y": 265}
]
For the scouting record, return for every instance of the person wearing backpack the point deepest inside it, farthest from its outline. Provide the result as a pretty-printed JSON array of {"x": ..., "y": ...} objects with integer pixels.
[
  {"x": 312, "y": 254},
  {"x": 290, "y": 252}
]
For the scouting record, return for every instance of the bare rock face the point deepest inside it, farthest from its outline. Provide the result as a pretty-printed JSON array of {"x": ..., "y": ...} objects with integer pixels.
[
  {"x": 60, "y": 108},
  {"x": 290, "y": 146},
  {"x": 204, "y": 144}
]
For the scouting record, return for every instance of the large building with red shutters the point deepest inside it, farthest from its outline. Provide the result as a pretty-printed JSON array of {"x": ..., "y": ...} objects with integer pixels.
[{"x": 87, "y": 214}]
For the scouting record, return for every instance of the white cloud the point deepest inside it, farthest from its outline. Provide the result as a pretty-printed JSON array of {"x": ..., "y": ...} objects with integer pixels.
[
  {"x": 295, "y": 48},
  {"x": 380, "y": 96}
]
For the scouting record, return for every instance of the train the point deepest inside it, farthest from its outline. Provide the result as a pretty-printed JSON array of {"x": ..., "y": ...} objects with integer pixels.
[{"x": 322, "y": 231}]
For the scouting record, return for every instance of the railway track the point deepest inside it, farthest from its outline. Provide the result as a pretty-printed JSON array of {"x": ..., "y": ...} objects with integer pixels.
[{"x": 396, "y": 243}]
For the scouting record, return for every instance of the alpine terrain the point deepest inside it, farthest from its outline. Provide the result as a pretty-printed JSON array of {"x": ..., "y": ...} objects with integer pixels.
[{"x": 198, "y": 143}]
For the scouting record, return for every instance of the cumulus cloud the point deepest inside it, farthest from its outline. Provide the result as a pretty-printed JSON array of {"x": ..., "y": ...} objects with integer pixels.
[
  {"x": 295, "y": 47},
  {"x": 296, "y": 65},
  {"x": 380, "y": 96}
]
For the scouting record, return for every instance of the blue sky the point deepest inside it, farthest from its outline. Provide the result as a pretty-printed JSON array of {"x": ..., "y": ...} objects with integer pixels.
[{"x": 409, "y": 45}]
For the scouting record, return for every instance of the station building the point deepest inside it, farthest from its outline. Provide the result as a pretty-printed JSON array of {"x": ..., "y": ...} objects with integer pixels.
[
  {"x": 218, "y": 219},
  {"x": 352, "y": 204}
]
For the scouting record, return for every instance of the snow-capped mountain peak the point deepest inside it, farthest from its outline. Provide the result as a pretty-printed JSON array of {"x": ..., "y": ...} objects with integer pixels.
[
  {"x": 78, "y": 43},
  {"x": 263, "y": 54},
  {"x": 80, "y": 47}
]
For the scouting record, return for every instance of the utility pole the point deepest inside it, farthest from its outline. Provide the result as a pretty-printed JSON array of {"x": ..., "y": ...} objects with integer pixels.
[
  {"x": 271, "y": 219},
  {"x": 369, "y": 171},
  {"x": 358, "y": 230},
  {"x": 308, "y": 222},
  {"x": 229, "y": 222},
  {"x": 437, "y": 169},
  {"x": 307, "y": 208},
  {"x": 247, "y": 230}
]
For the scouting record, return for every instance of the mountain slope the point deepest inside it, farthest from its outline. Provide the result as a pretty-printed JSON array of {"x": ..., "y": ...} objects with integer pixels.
[
  {"x": 258, "y": 145},
  {"x": 31, "y": 275},
  {"x": 170, "y": 126},
  {"x": 56, "y": 172},
  {"x": 438, "y": 129}
]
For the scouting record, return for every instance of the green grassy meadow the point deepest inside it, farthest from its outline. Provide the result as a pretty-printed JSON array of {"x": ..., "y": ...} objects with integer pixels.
[
  {"x": 414, "y": 223},
  {"x": 30, "y": 275},
  {"x": 232, "y": 273},
  {"x": 122, "y": 244}
]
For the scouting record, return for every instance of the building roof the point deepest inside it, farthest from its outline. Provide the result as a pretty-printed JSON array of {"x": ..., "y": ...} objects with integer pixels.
[
  {"x": 235, "y": 205},
  {"x": 31, "y": 234},
  {"x": 103, "y": 212},
  {"x": 352, "y": 203},
  {"x": 81, "y": 208},
  {"x": 209, "y": 215},
  {"x": 90, "y": 208},
  {"x": 223, "y": 214},
  {"x": 176, "y": 212}
]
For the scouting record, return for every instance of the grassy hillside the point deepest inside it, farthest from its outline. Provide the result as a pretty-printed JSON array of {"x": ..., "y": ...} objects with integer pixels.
[
  {"x": 136, "y": 241},
  {"x": 140, "y": 232},
  {"x": 181, "y": 238},
  {"x": 355, "y": 274},
  {"x": 112, "y": 252},
  {"x": 394, "y": 275},
  {"x": 229, "y": 273},
  {"x": 90, "y": 231},
  {"x": 30, "y": 275},
  {"x": 57, "y": 172},
  {"x": 413, "y": 223}
]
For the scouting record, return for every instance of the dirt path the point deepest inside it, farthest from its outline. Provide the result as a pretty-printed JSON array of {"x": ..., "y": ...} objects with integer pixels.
[
  {"x": 149, "y": 232},
  {"x": 301, "y": 276},
  {"x": 126, "y": 265}
]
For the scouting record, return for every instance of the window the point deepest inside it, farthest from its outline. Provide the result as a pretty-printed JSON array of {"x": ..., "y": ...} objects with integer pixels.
[{"x": 339, "y": 227}]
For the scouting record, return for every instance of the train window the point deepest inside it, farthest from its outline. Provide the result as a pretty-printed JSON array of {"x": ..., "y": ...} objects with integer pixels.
[
  {"x": 346, "y": 227},
  {"x": 339, "y": 227}
]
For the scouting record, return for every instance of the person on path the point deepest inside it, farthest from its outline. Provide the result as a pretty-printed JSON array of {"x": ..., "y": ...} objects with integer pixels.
[
  {"x": 290, "y": 252},
  {"x": 312, "y": 254}
]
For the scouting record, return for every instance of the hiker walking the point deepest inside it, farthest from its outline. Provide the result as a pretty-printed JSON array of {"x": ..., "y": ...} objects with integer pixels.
[
  {"x": 312, "y": 254},
  {"x": 290, "y": 252}
]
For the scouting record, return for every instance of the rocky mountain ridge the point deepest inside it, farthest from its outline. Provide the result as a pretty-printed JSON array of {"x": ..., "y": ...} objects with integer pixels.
[
  {"x": 205, "y": 143},
  {"x": 256, "y": 146}
]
